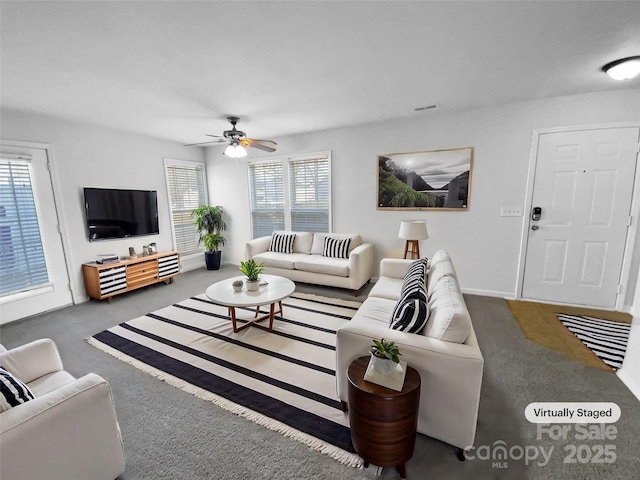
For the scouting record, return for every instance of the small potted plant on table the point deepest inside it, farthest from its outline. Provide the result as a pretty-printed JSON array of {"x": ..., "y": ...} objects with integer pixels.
[
  {"x": 237, "y": 285},
  {"x": 252, "y": 270},
  {"x": 384, "y": 355}
]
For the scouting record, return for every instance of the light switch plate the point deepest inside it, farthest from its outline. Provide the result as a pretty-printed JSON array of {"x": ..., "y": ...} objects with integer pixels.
[{"x": 511, "y": 212}]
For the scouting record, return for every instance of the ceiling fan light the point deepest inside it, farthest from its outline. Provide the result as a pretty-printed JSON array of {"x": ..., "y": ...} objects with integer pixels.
[
  {"x": 623, "y": 69},
  {"x": 235, "y": 151}
]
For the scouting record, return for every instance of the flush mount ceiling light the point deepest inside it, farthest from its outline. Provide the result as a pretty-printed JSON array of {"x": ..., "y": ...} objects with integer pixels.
[{"x": 623, "y": 69}]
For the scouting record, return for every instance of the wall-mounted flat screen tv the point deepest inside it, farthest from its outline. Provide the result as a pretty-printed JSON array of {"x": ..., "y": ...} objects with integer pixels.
[{"x": 114, "y": 213}]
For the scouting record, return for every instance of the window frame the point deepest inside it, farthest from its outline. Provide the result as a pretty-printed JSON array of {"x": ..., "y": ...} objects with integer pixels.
[
  {"x": 286, "y": 162},
  {"x": 169, "y": 162}
]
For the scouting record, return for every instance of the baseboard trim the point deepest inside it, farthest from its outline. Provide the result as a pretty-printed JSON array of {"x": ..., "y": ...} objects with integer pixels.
[{"x": 488, "y": 293}]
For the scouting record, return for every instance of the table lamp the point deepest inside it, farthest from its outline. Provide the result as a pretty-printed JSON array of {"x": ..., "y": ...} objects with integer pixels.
[{"x": 413, "y": 231}]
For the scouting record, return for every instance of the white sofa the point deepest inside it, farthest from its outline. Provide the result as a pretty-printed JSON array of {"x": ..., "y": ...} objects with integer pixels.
[
  {"x": 307, "y": 263},
  {"x": 69, "y": 431},
  {"x": 446, "y": 354}
]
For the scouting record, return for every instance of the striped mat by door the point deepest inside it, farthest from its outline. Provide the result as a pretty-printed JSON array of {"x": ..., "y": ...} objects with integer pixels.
[{"x": 606, "y": 338}]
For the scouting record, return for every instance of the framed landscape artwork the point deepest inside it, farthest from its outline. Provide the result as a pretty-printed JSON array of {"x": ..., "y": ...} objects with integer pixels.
[{"x": 431, "y": 180}]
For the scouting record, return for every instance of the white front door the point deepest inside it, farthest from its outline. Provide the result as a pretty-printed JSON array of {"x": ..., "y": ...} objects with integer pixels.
[
  {"x": 583, "y": 188},
  {"x": 34, "y": 276}
]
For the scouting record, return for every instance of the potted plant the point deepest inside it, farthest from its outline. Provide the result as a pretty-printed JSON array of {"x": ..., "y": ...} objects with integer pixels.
[
  {"x": 209, "y": 223},
  {"x": 252, "y": 270},
  {"x": 237, "y": 285},
  {"x": 384, "y": 355}
]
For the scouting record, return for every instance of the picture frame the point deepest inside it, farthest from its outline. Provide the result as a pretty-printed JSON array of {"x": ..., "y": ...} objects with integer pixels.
[{"x": 426, "y": 180}]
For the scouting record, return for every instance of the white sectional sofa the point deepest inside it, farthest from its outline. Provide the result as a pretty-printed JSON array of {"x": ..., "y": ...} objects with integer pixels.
[
  {"x": 308, "y": 263},
  {"x": 445, "y": 353}
]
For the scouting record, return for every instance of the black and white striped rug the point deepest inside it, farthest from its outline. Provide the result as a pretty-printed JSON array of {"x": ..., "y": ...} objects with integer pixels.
[
  {"x": 606, "y": 338},
  {"x": 284, "y": 379}
]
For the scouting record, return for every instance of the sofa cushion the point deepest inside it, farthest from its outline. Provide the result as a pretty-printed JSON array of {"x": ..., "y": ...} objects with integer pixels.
[
  {"x": 279, "y": 260},
  {"x": 386, "y": 287},
  {"x": 336, "y": 248},
  {"x": 317, "y": 247},
  {"x": 438, "y": 268},
  {"x": 282, "y": 242},
  {"x": 338, "y": 267},
  {"x": 12, "y": 391},
  {"x": 449, "y": 318},
  {"x": 375, "y": 311}
]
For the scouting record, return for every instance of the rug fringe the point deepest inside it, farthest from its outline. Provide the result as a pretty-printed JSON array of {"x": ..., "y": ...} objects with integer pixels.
[{"x": 342, "y": 456}]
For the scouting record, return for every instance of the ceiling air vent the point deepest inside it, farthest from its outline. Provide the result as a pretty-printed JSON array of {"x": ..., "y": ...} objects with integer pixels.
[{"x": 426, "y": 107}]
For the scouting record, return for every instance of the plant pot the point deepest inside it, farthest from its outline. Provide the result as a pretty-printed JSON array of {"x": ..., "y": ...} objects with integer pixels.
[
  {"x": 212, "y": 259},
  {"x": 252, "y": 285},
  {"x": 237, "y": 288},
  {"x": 382, "y": 365}
]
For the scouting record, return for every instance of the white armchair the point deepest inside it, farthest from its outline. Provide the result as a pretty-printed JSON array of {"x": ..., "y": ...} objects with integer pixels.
[{"x": 69, "y": 431}]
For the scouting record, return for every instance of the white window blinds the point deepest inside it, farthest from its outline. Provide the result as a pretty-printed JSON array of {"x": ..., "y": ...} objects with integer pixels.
[
  {"x": 309, "y": 194},
  {"x": 291, "y": 194},
  {"x": 267, "y": 198},
  {"x": 185, "y": 181},
  {"x": 22, "y": 260}
]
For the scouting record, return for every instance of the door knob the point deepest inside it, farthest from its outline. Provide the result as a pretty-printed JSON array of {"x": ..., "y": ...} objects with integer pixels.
[{"x": 535, "y": 227}]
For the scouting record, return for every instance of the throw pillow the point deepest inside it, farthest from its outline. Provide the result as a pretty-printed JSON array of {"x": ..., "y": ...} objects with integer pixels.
[
  {"x": 282, "y": 243},
  {"x": 336, "y": 248},
  {"x": 412, "y": 310},
  {"x": 12, "y": 391}
]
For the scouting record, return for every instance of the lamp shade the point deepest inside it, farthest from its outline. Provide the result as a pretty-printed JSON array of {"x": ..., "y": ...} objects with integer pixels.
[{"x": 413, "y": 230}]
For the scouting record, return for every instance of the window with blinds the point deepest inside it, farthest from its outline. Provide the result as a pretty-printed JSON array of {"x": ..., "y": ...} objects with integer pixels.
[
  {"x": 22, "y": 260},
  {"x": 185, "y": 181},
  {"x": 291, "y": 194},
  {"x": 267, "y": 198},
  {"x": 309, "y": 194}
]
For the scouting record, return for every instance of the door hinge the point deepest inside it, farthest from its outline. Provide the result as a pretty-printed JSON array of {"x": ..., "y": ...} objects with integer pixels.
[
  {"x": 630, "y": 221},
  {"x": 619, "y": 290}
]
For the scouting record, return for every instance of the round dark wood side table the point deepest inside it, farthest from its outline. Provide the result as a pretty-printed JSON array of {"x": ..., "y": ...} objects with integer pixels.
[{"x": 383, "y": 421}]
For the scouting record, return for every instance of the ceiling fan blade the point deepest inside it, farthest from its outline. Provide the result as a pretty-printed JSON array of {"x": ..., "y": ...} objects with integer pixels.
[
  {"x": 216, "y": 136},
  {"x": 202, "y": 143},
  {"x": 265, "y": 145}
]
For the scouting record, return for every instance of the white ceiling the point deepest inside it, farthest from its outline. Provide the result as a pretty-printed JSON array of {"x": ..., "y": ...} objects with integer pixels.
[{"x": 175, "y": 70}]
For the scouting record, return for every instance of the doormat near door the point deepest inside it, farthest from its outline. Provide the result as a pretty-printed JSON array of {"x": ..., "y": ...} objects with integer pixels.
[
  {"x": 283, "y": 380},
  {"x": 607, "y": 339},
  {"x": 539, "y": 323}
]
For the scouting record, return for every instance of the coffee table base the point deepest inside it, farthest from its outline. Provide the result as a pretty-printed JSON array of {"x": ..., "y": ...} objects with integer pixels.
[{"x": 254, "y": 322}]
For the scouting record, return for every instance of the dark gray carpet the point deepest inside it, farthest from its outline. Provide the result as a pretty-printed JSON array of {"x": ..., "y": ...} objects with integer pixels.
[{"x": 172, "y": 435}]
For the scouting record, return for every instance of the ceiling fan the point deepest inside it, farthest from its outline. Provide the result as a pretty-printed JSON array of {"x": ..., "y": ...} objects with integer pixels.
[{"x": 237, "y": 140}]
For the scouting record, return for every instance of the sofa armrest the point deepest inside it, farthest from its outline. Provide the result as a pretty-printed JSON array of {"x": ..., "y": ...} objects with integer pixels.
[
  {"x": 71, "y": 432},
  {"x": 394, "y": 267},
  {"x": 256, "y": 246},
  {"x": 354, "y": 339},
  {"x": 361, "y": 265},
  {"x": 32, "y": 360}
]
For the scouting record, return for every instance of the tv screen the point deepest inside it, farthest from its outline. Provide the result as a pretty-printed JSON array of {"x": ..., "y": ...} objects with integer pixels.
[{"x": 113, "y": 213}]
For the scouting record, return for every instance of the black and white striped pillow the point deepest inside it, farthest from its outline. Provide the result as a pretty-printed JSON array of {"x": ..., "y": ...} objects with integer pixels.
[
  {"x": 412, "y": 310},
  {"x": 336, "y": 248},
  {"x": 416, "y": 274},
  {"x": 12, "y": 391},
  {"x": 282, "y": 243}
]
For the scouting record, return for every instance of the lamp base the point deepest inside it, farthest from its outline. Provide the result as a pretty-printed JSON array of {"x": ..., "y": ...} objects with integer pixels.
[{"x": 412, "y": 247}]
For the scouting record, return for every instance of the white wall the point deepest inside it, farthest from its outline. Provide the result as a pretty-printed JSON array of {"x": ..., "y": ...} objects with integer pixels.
[
  {"x": 630, "y": 371},
  {"x": 485, "y": 246},
  {"x": 89, "y": 156}
]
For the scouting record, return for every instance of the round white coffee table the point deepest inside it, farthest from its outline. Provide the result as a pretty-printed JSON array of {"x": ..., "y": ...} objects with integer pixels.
[{"x": 274, "y": 290}]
